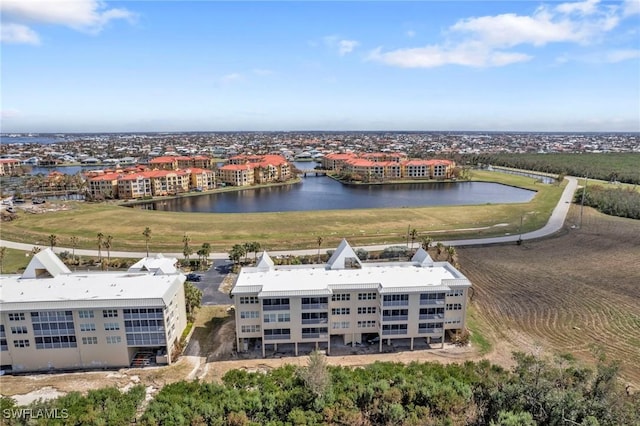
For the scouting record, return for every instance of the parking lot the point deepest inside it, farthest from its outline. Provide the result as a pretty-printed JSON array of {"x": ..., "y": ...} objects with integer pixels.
[{"x": 210, "y": 281}]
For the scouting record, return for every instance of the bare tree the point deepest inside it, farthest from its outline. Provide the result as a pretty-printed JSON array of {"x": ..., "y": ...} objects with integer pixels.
[
  {"x": 100, "y": 238},
  {"x": 53, "y": 240},
  {"x": 319, "y": 244}
]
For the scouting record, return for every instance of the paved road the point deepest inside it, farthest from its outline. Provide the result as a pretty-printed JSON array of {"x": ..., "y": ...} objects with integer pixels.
[
  {"x": 554, "y": 224},
  {"x": 210, "y": 283}
]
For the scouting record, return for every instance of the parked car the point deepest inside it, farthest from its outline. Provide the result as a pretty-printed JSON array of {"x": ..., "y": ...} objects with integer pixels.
[
  {"x": 38, "y": 201},
  {"x": 193, "y": 277}
]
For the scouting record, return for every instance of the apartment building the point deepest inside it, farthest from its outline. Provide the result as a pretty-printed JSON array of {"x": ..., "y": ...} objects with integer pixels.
[
  {"x": 348, "y": 301},
  {"x": 105, "y": 185},
  {"x": 382, "y": 166},
  {"x": 243, "y": 170},
  {"x": 9, "y": 166},
  {"x": 52, "y": 318}
]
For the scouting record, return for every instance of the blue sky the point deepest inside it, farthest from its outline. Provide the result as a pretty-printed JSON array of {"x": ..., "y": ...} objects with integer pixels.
[{"x": 90, "y": 66}]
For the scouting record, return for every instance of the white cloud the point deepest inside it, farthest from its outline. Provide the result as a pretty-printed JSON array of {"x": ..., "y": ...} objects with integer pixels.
[
  {"x": 342, "y": 46},
  {"x": 346, "y": 46},
  {"x": 622, "y": 55},
  {"x": 89, "y": 16},
  {"x": 484, "y": 41},
  {"x": 9, "y": 113},
  {"x": 18, "y": 34},
  {"x": 585, "y": 8},
  {"x": 471, "y": 55},
  {"x": 410, "y": 33},
  {"x": 631, "y": 7}
]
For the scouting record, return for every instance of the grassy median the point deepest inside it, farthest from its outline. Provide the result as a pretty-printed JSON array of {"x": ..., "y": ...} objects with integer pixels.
[{"x": 284, "y": 230}]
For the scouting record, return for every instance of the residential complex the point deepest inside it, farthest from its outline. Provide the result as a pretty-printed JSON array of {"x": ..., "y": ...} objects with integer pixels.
[
  {"x": 347, "y": 301},
  {"x": 9, "y": 166},
  {"x": 52, "y": 318},
  {"x": 243, "y": 170},
  {"x": 370, "y": 167}
]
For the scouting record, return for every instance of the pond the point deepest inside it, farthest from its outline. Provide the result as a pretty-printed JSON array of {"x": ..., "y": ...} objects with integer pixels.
[{"x": 324, "y": 193}]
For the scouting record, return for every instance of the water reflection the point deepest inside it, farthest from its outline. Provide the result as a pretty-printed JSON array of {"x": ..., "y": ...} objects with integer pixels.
[{"x": 323, "y": 193}]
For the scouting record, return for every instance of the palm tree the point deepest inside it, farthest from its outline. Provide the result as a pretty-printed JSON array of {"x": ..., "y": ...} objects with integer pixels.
[
  {"x": 53, "y": 240},
  {"x": 74, "y": 244},
  {"x": 186, "y": 249},
  {"x": 451, "y": 253},
  {"x": 147, "y": 237},
  {"x": 247, "y": 250},
  {"x": 440, "y": 248},
  {"x": 426, "y": 242},
  {"x": 204, "y": 252},
  {"x": 100, "y": 237},
  {"x": 255, "y": 248},
  {"x": 319, "y": 244},
  {"x": 107, "y": 245},
  {"x": 413, "y": 234},
  {"x": 237, "y": 251}
]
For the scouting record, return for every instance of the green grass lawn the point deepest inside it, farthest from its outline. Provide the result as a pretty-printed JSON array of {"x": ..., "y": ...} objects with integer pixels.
[
  {"x": 284, "y": 230},
  {"x": 14, "y": 261}
]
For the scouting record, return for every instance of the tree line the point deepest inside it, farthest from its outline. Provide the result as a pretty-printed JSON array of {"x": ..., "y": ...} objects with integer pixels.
[
  {"x": 536, "y": 391},
  {"x": 622, "y": 202},
  {"x": 622, "y": 167}
]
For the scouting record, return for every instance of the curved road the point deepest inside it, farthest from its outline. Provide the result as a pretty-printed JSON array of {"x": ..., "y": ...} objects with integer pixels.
[{"x": 554, "y": 224}]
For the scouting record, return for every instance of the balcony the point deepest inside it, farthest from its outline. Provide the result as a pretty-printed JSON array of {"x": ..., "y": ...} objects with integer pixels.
[
  {"x": 431, "y": 316},
  {"x": 395, "y": 318},
  {"x": 315, "y": 321},
  {"x": 432, "y": 301},
  {"x": 397, "y": 303},
  {"x": 275, "y": 307},
  {"x": 393, "y": 332},
  {"x": 277, "y": 337},
  {"x": 430, "y": 331},
  {"x": 314, "y": 335},
  {"x": 309, "y": 306}
]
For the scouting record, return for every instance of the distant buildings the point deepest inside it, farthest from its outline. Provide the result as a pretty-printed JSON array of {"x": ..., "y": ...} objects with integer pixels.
[
  {"x": 9, "y": 166},
  {"x": 369, "y": 167},
  {"x": 347, "y": 301},
  {"x": 55, "y": 319}
]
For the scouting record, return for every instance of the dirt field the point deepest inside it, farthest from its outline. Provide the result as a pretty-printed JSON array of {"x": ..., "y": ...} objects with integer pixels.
[{"x": 572, "y": 293}]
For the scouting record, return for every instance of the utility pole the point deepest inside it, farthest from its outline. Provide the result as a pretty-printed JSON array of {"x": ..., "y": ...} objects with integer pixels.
[
  {"x": 519, "y": 242},
  {"x": 408, "y": 231},
  {"x": 584, "y": 190}
]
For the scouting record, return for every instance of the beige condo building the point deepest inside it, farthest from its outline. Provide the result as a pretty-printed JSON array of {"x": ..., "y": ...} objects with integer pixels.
[
  {"x": 52, "y": 318},
  {"x": 347, "y": 301}
]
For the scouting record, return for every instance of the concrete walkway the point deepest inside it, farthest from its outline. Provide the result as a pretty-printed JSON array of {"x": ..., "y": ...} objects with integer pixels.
[{"x": 554, "y": 224}]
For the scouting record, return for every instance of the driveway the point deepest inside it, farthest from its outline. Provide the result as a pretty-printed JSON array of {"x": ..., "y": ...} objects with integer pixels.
[{"x": 210, "y": 283}]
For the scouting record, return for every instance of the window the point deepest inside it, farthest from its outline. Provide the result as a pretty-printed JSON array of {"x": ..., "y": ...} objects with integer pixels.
[
  {"x": 92, "y": 340},
  {"x": 366, "y": 324},
  {"x": 340, "y": 324},
  {"x": 367, "y": 310},
  {"x": 455, "y": 293},
  {"x": 432, "y": 298},
  {"x": 249, "y": 314},
  {"x": 248, "y": 300},
  {"x": 109, "y": 313},
  {"x": 277, "y": 333},
  {"x": 110, "y": 326},
  {"x": 112, "y": 340},
  {"x": 85, "y": 314},
  {"x": 88, "y": 327},
  {"x": 16, "y": 317},
  {"x": 250, "y": 328},
  {"x": 367, "y": 296},
  {"x": 342, "y": 297},
  {"x": 21, "y": 329},
  {"x": 21, "y": 343},
  {"x": 284, "y": 317},
  {"x": 340, "y": 311},
  {"x": 275, "y": 304},
  {"x": 454, "y": 306}
]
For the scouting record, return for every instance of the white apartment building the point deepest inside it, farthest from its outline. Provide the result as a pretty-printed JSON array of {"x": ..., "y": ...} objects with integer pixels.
[
  {"x": 52, "y": 318},
  {"x": 348, "y": 301}
]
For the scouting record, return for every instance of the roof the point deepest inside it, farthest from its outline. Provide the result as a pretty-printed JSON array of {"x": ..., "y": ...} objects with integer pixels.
[
  {"x": 419, "y": 275},
  {"x": 69, "y": 290},
  {"x": 45, "y": 260},
  {"x": 343, "y": 255},
  {"x": 157, "y": 264}
]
